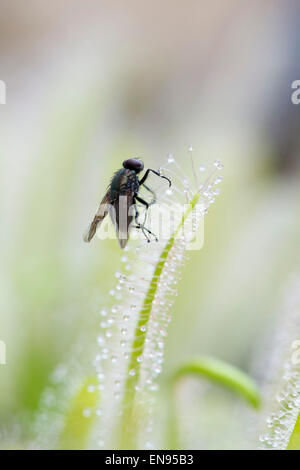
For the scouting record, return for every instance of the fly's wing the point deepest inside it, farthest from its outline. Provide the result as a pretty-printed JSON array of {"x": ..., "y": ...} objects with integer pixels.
[
  {"x": 122, "y": 216},
  {"x": 100, "y": 215}
]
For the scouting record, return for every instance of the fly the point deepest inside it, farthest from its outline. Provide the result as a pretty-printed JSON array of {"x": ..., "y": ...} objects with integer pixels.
[{"x": 120, "y": 202}]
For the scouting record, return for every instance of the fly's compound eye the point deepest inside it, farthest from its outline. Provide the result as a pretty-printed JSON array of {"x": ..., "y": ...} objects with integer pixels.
[{"x": 133, "y": 164}]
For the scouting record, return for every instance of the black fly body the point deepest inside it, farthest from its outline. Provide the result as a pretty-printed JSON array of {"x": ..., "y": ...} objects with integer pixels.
[{"x": 120, "y": 201}]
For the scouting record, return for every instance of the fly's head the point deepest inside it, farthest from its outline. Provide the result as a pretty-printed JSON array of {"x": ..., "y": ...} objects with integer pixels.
[{"x": 134, "y": 164}]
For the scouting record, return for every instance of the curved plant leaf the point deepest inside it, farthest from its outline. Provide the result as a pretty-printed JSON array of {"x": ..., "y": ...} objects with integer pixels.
[{"x": 224, "y": 374}]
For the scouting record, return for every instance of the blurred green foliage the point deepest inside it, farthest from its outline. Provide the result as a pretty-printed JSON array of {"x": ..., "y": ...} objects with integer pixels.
[{"x": 69, "y": 123}]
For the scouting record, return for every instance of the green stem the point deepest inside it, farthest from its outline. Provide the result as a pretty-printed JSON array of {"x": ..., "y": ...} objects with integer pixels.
[{"x": 294, "y": 442}]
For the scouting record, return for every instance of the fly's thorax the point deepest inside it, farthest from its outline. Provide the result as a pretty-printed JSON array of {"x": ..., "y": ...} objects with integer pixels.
[{"x": 123, "y": 181}]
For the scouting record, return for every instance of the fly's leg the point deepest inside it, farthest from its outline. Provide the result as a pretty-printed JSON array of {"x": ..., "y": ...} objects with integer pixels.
[
  {"x": 153, "y": 194},
  {"x": 146, "y": 204},
  {"x": 157, "y": 174},
  {"x": 139, "y": 225},
  {"x": 144, "y": 230},
  {"x": 142, "y": 226}
]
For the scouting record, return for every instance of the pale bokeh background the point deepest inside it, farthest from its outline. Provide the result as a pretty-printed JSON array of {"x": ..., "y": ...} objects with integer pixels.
[{"x": 91, "y": 83}]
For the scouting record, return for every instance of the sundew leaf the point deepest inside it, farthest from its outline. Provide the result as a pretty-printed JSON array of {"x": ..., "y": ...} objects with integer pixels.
[
  {"x": 224, "y": 374},
  {"x": 139, "y": 338},
  {"x": 282, "y": 421},
  {"x": 133, "y": 330},
  {"x": 80, "y": 417}
]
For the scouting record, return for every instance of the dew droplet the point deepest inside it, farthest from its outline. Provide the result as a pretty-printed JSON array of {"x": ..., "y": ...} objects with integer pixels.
[
  {"x": 149, "y": 445},
  {"x": 100, "y": 339},
  {"x": 86, "y": 413},
  {"x": 218, "y": 164},
  {"x": 218, "y": 180},
  {"x": 154, "y": 387}
]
